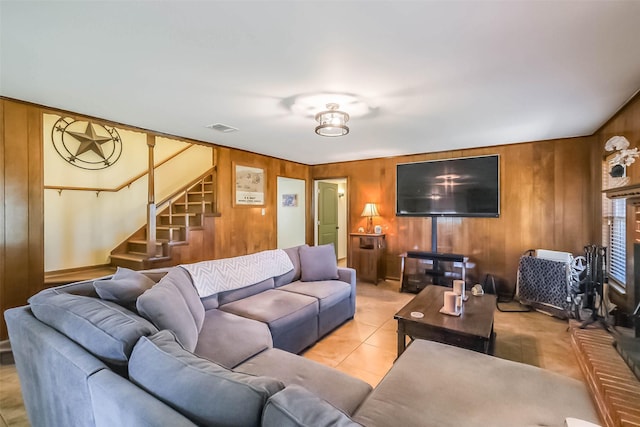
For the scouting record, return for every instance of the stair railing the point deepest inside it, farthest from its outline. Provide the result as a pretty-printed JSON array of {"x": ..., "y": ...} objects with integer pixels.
[{"x": 127, "y": 184}]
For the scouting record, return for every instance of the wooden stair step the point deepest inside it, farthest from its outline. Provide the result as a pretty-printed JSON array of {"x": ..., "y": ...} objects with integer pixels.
[
  {"x": 193, "y": 203},
  {"x": 136, "y": 261},
  {"x": 179, "y": 214},
  {"x": 138, "y": 257},
  {"x": 143, "y": 242},
  {"x": 173, "y": 224}
]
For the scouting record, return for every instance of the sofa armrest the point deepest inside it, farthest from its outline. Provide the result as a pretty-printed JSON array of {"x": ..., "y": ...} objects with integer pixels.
[
  {"x": 347, "y": 275},
  {"x": 295, "y": 406},
  {"x": 118, "y": 402}
]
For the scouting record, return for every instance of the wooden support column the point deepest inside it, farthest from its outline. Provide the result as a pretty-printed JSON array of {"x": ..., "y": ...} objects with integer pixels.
[{"x": 151, "y": 200}]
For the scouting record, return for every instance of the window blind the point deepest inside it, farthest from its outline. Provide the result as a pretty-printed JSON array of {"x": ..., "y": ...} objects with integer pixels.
[{"x": 617, "y": 240}]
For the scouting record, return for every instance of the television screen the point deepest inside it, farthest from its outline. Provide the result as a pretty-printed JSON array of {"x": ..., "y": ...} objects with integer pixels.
[{"x": 468, "y": 186}]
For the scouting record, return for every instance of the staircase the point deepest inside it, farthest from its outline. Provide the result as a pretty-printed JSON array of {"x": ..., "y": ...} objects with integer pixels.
[{"x": 181, "y": 215}]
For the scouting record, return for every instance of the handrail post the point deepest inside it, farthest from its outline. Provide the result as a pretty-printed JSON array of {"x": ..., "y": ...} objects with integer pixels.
[
  {"x": 151, "y": 201},
  {"x": 214, "y": 184}
]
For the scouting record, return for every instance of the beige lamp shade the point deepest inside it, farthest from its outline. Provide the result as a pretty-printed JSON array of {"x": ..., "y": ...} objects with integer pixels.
[{"x": 370, "y": 210}]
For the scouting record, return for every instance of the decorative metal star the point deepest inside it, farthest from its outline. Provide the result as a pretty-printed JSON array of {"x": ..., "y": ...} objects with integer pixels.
[{"x": 90, "y": 141}]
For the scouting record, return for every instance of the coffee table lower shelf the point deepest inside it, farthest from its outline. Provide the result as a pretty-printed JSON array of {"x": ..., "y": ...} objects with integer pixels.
[
  {"x": 413, "y": 331},
  {"x": 472, "y": 330}
]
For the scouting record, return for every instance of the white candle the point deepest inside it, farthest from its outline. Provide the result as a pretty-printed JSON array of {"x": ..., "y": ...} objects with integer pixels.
[
  {"x": 458, "y": 287},
  {"x": 450, "y": 301}
]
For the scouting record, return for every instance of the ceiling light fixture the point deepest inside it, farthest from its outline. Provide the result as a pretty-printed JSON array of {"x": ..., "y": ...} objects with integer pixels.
[{"x": 333, "y": 122}]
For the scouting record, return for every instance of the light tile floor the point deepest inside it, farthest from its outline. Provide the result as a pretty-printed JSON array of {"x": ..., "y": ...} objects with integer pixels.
[{"x": 365, "y": 347}]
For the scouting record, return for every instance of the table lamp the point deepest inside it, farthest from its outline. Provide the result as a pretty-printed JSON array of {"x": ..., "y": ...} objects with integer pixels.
[{"x": 370, "y": 210}]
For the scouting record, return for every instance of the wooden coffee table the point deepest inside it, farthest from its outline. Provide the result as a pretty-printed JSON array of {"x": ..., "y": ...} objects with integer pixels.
[{"x": 472, "y": 330}]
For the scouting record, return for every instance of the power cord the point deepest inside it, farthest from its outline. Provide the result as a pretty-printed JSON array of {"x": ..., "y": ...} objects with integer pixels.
[{"x": 495, "y": 292}]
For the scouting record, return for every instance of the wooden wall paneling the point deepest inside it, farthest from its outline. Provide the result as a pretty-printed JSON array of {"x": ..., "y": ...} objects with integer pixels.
[
  {"x": 3, "y": 240},
  {"x": 242, "y": 230},
  {"x": 576, "y": 194},
  {"x": 23, "y": 205},
  {"x": 532, "y": 202},
  {"x": 389, "y": 219},
  {"x": 542, "y": 174},
  {"x": 16, "y": 205},
  {"x": 519, "y": 220},
  {"x": 36, "y": 200}
]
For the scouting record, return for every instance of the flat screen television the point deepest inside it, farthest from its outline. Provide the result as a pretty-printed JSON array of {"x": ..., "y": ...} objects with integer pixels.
[{"x": 461, "y": 187}]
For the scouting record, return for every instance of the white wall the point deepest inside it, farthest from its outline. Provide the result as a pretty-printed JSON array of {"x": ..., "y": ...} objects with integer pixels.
[
  {"x": 291, "y": 219},
  {"x": 82, "y": 228}
]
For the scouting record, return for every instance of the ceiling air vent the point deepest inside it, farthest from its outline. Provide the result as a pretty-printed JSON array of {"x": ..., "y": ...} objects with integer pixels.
[{"x": 222, "y": 128}]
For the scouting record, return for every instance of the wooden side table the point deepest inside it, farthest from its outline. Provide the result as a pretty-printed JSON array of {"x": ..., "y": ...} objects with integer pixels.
[{"x": 366, "y": 255}]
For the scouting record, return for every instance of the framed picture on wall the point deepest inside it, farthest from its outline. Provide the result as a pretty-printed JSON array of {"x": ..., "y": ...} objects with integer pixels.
[
  {"x": 289, "y": 200},
  {"x": 249, "y": 185}
]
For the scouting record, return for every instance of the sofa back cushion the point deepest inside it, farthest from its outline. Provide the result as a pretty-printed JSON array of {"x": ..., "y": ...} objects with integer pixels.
[
  {"x": 203, "y": 391},
  {"x": 173, "y": 303},
  {"x": 181, "y": 280},
  {"x": 103, "y": 328},
  {"x": 318, "y": 263},
  {"x": 236, "y": 294},
  {"x": 293, "y": 275}
]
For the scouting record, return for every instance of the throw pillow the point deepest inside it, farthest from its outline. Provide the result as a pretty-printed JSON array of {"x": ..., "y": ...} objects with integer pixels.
[
  {"x": 124, "y": 287},
  {"x": 103, "y": 328},
  {"x": 318, "y": 263},
  {"x": 201, "y": 390}
]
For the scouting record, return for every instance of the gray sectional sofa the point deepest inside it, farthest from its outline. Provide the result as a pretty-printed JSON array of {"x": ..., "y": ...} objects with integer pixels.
[{"x": 146, "y": 349}]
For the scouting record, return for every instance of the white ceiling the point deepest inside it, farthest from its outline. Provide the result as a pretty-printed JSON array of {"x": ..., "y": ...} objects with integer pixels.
[{"x": 437, "y": 75}]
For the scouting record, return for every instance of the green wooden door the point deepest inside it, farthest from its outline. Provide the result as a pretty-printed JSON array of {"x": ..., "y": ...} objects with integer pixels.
[{"x": 328, "y": 214}]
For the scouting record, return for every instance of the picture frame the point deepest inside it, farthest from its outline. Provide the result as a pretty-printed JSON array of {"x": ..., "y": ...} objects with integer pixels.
[
  {"x": 289, "y": 200},
  {"x": 249, "y": 185}
]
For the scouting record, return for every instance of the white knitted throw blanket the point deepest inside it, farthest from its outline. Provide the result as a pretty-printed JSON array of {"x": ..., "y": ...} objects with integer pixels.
[{"x": 211, "y": 277}]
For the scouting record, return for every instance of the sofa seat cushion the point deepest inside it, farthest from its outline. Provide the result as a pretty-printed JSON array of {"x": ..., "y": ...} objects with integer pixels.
[
  {"x": 328, "y": 292},
  {"x": 275, "y": 308},
  {"x": 451, "y": 386},
  {"x": 103, "y": 328},
  {"x": 297, "y": 407},
  {"x": 229, "y": 340},
  {"x": 339, "y": 389},
  {"x": 173, "y": 303},
  {"x": 201, "y": 390}
]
